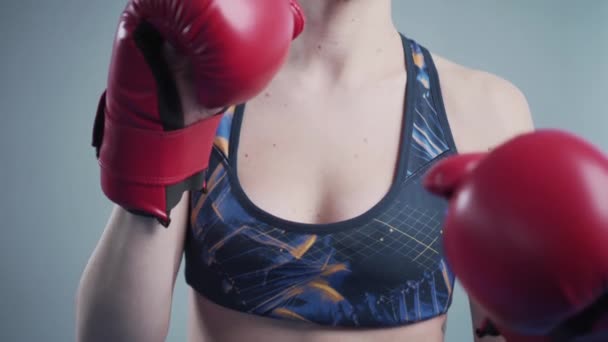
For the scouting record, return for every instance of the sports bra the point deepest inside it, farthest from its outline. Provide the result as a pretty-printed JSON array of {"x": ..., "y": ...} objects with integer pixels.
[{"x": 382, "y": 268}]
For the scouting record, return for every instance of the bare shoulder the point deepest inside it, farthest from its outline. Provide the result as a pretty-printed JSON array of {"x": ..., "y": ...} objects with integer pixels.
[{"x": 483, "y": 109}]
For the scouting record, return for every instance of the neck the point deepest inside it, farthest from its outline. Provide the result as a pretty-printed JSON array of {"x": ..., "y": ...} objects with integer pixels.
[{"x": 343, "y": 37}]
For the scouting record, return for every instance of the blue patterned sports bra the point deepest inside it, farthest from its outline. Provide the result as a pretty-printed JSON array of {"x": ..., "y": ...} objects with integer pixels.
[{"x": 382, "y": 268}]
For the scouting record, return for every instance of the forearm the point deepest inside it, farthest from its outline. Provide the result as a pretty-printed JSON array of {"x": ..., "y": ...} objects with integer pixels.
[
  {"x": 478, "y": 318},
  {"x": 126, "y": 289},
  {"x": 489, "y": 338}
]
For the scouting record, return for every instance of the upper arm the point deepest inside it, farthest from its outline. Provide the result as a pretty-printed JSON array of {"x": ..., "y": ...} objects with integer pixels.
[
  {"x": 508, "y": 115},
  {"x": 483, "y": 111}
]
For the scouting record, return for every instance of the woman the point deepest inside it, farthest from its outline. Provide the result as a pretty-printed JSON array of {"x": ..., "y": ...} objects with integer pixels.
[{"x": 324, "y": 232}]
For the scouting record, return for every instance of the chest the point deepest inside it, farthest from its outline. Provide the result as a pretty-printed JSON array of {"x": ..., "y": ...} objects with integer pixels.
[
  {"x": 324, "y": 158},
  {"x": 320, "y": 159}
]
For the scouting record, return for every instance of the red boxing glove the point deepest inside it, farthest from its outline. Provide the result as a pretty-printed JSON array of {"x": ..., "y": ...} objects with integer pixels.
[
  {"x": 527, "y": 234},
  {"x": 150, "y": 149}
]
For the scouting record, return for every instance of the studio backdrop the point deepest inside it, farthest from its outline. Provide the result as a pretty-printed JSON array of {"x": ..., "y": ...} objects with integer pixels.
[{"x": 54, "y": 61}]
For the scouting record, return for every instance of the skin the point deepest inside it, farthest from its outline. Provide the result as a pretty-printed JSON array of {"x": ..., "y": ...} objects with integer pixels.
[{"x": 318, "y": 142}]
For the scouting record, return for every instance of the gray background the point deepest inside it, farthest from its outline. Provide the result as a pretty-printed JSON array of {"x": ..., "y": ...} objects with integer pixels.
[{"x": 53, "y": 63}]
